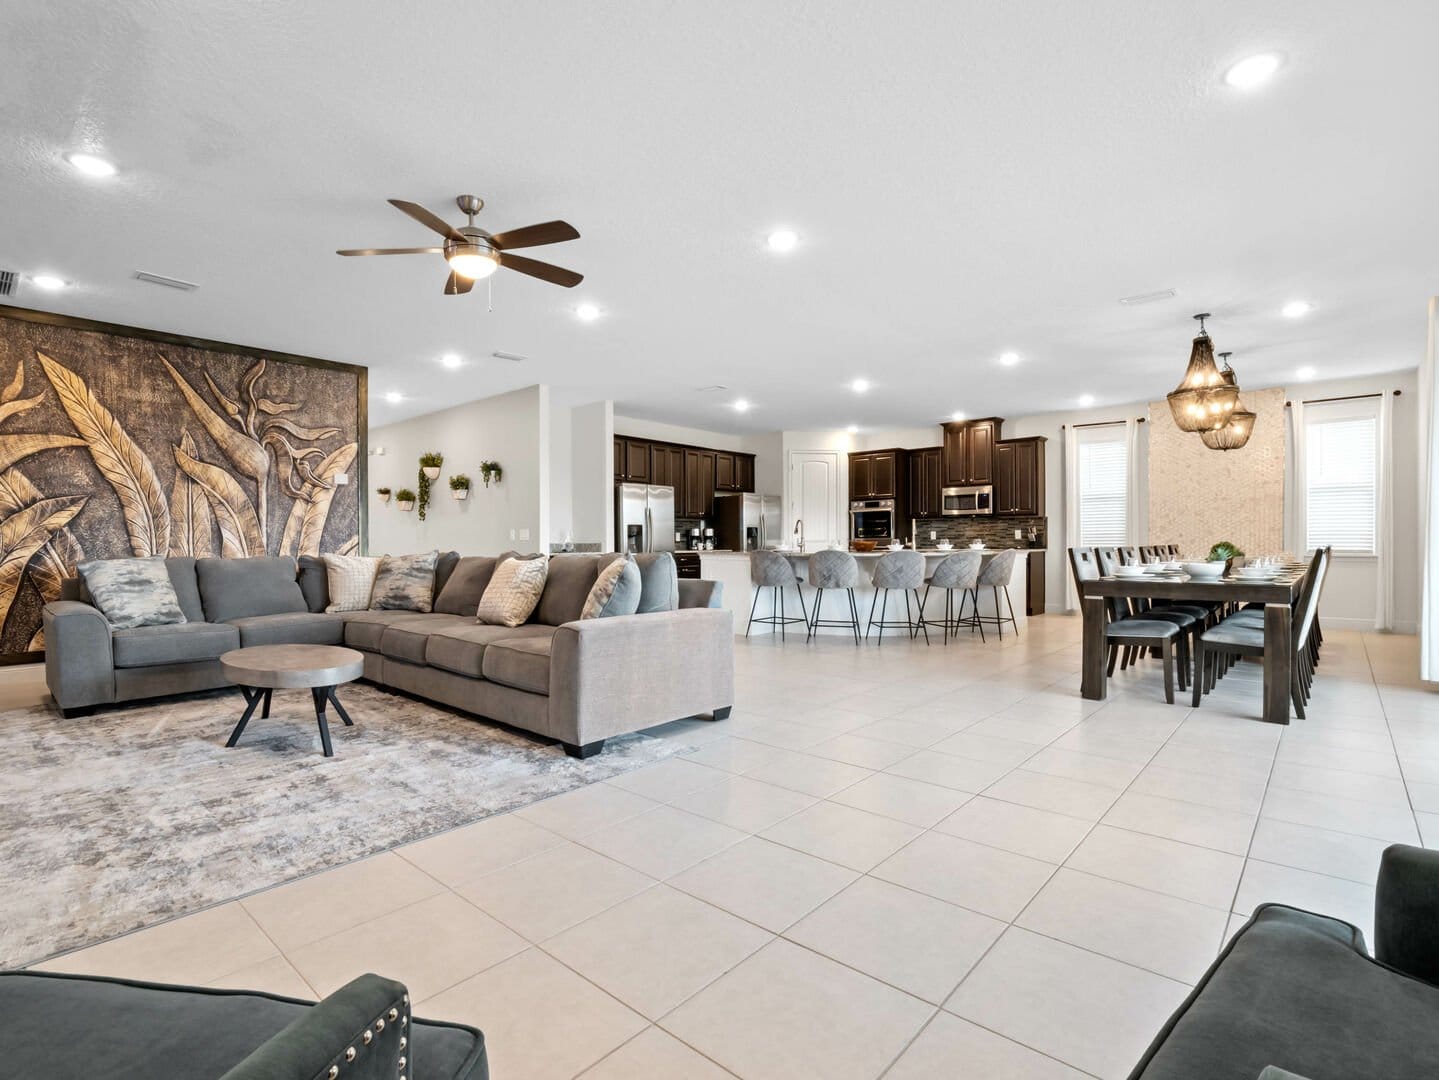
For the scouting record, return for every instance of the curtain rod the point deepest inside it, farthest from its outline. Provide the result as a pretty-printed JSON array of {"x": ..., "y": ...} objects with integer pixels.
[
  {"x": 1102, "y": 423},
  {"x": 1348, "y": 397}
]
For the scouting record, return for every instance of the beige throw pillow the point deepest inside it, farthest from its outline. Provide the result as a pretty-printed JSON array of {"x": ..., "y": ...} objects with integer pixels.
[
  {"x": 351, "y": 579},
  {"x": 513, "y": 591}
]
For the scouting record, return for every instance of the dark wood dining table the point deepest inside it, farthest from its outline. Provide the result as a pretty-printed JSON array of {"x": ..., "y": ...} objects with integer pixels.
[{"x": 1279, "y": 597}]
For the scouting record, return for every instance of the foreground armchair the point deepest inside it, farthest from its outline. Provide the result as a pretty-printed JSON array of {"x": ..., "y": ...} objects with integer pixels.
[
  {"x": 75, "y": 1025},
  {"x": 1296, "y": 993}
]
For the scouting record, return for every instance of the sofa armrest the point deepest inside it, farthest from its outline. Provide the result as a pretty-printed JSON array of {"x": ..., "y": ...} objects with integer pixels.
[
  {"x": 1406, "y": 911},
  {"x": 79, "y": 662},
  {"x": 700, "y": 593},
  {"x": 626, "y": 673},
  {"x": 330, "y": 1039}
]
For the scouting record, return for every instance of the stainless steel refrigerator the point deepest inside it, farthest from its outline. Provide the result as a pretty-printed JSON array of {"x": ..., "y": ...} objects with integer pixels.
[
  {"x": 746, "y": 522},
  {"x": 644, "y": 517}
]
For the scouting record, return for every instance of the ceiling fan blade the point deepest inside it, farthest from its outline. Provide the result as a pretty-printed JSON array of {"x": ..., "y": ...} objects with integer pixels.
[
  {"x": 390, "y": 251},
  {"x": 555, "y": 275},
  {"x": 429, "y": 220},
  {"x": 550, "y": 232},
  {"x": 457, "y": 284}
]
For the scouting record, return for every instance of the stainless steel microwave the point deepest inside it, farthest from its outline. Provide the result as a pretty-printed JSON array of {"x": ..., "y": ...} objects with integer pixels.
[{"x": 961, "y": 501}]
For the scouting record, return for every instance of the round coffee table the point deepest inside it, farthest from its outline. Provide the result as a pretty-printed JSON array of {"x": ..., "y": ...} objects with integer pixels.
[{"x": 260, "y": 670}]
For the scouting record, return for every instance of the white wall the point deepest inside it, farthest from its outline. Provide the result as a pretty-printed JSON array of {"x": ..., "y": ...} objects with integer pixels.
[
  {"x": 675, "y": 433},
  {"x": 592, "y": 474},
  {"x": 561, "y": 474},
  {"x": 904, "y": 438},
  {"x": 511, "y": 429}
]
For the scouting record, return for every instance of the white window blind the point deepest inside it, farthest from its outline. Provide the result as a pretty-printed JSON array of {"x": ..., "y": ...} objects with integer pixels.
[
  {"x": 1341, "y": 475},
  {"x": 1103, "y": 486}
]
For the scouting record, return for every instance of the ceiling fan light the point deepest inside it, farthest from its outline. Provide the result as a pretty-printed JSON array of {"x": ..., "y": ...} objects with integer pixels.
[{"x": 472, "y": 264}]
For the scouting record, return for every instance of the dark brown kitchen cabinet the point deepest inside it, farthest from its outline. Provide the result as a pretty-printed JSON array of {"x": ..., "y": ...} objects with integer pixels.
[
  {"x": 632, "y": 460},
  {"x": 667, "y": 467},
  {"x": 924, "y": 482},
  {"x": 1019, "y": 477},
  {"x": 699, "y": 486},
  {"x": 878, "y": 474},
  {"x": 725, "y": 471},
  {"x": 744, "y": 472},
  {"x": 1034, "y": 582},
  {"x": 968, "y": 455}
]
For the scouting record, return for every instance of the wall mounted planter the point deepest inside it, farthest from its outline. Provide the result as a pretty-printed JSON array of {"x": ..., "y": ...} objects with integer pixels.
[
  {"x": 406, "y": 504},
  {"x": 432, "y": 472}
]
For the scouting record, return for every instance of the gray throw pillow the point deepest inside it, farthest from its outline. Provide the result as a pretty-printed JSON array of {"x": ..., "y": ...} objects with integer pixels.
[
  {"x": 659, "y": 582},
  {"x": 132, "y": 592},
  {"x": 405, "y": 583}
]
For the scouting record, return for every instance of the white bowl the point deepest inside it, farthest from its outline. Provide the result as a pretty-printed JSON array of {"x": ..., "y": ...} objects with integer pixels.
[
  {"x": 943, "y": 547},
  {"x": 1129, "y": 571},
  {"x": 976, "y": 546},
  {"x": 1211, "y": 570},
  {"x": 896, "y": 547}
]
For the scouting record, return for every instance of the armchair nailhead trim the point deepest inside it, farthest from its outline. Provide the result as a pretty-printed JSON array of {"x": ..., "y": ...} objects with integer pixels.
[
  {"x": 404, "y": 1042},
  {"x": 394, "y": 1014},
  {"x": 402, "y": 1062},
  {"x": 334, "y": 1072},
  {"x": 350, "y": 1054},
  {"x": 379, "y": 1025},
  {"x": 366, "y": 1036}
]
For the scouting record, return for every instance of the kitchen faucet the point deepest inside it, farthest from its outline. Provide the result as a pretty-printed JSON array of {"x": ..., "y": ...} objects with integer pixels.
[{"x": 799, "y": 534}]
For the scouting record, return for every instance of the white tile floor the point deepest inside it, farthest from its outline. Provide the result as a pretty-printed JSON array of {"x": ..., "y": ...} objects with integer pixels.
[{"x": 899, "y": 861}]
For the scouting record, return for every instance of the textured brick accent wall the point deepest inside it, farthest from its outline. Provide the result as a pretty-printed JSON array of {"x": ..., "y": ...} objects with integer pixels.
[{"x": 1199, "y": 496}]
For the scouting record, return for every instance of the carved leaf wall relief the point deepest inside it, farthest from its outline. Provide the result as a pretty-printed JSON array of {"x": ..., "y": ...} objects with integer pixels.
[
  {"x": 58, "y": 557},
  {"x": 23, "y": 533},
  {"x": 192, "y": 524},
  {"x": 306, "y": 524},
  {"x": 120, "y": 461},
  {"x": 240, "y": 534}
]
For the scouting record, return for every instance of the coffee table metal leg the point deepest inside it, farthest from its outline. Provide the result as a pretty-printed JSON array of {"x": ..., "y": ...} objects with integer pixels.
[
  {"x": 335, "y": 701},
  {"x": 321, "y": 695},
  {"x": 265, "y": 712},
  {"x": 252, "y": 699}
]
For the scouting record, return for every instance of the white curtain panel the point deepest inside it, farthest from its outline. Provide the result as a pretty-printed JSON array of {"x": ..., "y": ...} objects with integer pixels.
[
  {"x": 1296, "y": 518},
  {"x": 1136, "y": 525},
  {"x": 1384, "y": 517},
  {"x": 1071, "y": 511},
  {"x": 1428, "y": 504}
]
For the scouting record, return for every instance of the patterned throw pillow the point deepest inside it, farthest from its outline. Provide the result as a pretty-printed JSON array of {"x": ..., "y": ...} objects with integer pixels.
[
  {"x": 615, "y": 592},
  {"x": 513, "y": 591},
  {"x": 351, "y": 579},
  {"x": 405, "y": 583},
  {"x": 132, "y": 592}
]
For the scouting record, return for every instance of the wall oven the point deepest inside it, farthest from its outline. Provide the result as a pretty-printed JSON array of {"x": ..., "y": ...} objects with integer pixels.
[
  {"x": 961, "y": 501},
  {"x": 871, "y": 519}
]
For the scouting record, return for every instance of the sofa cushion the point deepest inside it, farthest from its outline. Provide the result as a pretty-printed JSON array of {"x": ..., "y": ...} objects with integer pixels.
[
  {"x": 405, "y": 583},
  {"x": 659, "y": 582},
  {"x": 462, "y": 649},
  {"x": 465, "y": 586},
  {"x": 1298, "y": 991},
  {"x": 363, "y": 629},
  {"x": 616, "y": 591},
  {"x": 132, "y": 592},
  {"x": 314, "y": 582},
  {"x": 523, "y": 663},
  {"x": 568, "y": 584},
  {"x": 238, "y": 588},
  {"x": 350, "y": 581},
  {"x": 291, "y": 628},
  {"x": 177, "y": 643},
  {"x": 444, "y": 567},
  {"x": 513, "y": 592},
  {"x": 405, "y": 640}
]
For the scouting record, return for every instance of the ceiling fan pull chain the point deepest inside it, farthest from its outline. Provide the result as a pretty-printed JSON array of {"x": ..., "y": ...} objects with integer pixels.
[{"x": 490, "y": 283}]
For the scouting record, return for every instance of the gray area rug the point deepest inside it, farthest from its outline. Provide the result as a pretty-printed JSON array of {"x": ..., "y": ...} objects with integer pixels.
[{"x": 138, "y": 814}]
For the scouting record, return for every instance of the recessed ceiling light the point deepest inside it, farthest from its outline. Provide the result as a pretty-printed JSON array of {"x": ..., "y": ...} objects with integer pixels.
[
  {"x": 90, "y": 165},
  {"x": 853, "y": 429},
  {"x": 859, "y": 386},
  {"x": 1086, "y": 400},
  {"x": 741, "y": 405},
  {"x": 1009, "y": 359},
  {"x": 451, "y": 360},
  {"x": 1252, "y": 71},
  {"x": 956, "y": 415},
  {"x": 1296, "y": 308},
  {"x": 782, "y": 240},
  {"x": 1306, "y": 373},
  {"x": 394, "y": 397},
  {"x": 587, "y": 312},
  {"x": 48, "y": 282}
]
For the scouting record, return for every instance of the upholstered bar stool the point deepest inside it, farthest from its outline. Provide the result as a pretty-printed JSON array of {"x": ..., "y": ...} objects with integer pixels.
[
  {"x": 958, "y": 571},
  {"x": 995, "y": 576},
  {"x": 769, "y": 570},
  {"x": 833, "y": 570},
  {"x": 897, "y": 570}
]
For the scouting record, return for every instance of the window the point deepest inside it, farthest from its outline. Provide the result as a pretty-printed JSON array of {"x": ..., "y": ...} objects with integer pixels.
[
  {"x": 1103, "y": 486},
  {"x": 1341, "y": 475}
]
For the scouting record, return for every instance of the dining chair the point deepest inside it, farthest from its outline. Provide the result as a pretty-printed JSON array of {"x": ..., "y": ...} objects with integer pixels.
[
  {"x": 958, "y": 572},
  {"x": 831, "y": 569},
  {"x": 1241, "y": 636},
  {"x": 903, "y": 570},
  {"x": 1189, "y": 623},
  {"x": 771, "y": 570},
  {"x": 1123, "y": 630}
]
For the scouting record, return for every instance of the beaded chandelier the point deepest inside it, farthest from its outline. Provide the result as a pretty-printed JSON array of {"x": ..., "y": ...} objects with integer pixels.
[{"x": 1205, "y": 397}]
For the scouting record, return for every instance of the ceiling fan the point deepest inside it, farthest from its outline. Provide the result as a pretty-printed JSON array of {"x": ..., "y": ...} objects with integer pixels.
[{"x": 473, "y": 253}]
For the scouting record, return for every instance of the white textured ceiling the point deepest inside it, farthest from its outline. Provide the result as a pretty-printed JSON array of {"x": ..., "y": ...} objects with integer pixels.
[{"x": 966, "y": 178}]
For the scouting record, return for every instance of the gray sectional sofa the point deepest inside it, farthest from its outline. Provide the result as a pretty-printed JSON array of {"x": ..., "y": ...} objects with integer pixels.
[{"x": 576, "y": 681}]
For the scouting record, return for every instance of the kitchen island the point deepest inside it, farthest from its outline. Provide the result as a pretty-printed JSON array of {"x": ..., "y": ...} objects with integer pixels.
[{"x": 732, "y": 568}]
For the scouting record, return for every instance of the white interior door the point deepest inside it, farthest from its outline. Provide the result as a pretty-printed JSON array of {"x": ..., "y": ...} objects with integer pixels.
[{"x": 814, "y": 497}]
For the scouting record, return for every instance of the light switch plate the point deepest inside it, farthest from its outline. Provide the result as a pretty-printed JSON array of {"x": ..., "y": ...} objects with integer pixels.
[
  {"x": 341, "y": 479},
  {"x": 524, "y": 534},
  {"x": 1019, "y": 534}
]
